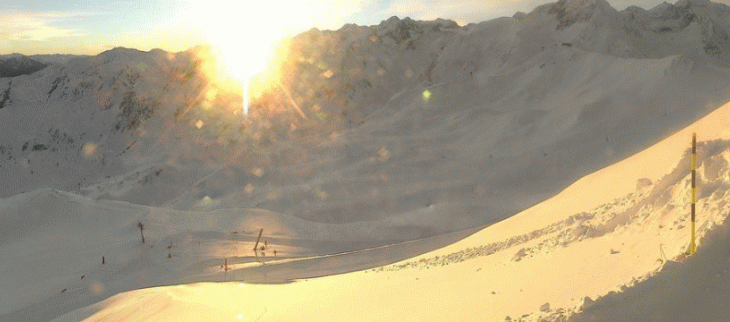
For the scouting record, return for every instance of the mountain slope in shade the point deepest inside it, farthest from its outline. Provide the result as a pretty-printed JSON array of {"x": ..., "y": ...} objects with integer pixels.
[
  {"x": 552, "y": 260},
  {"x": 19, "y": 65}
]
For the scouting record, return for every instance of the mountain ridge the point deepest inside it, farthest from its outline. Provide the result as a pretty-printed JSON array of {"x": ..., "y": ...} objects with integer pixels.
[
  {"x": 503, "y": 96},
  {"x": 17, "y": 65}
]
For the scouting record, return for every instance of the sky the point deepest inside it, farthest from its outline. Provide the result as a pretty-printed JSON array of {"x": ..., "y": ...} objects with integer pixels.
[{"x": 90, "y": 27}]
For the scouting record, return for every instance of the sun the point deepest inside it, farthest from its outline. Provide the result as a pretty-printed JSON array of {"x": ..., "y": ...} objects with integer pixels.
[
  {"x": 242, "y": 61},
  {"x": 248, "y": 37}
]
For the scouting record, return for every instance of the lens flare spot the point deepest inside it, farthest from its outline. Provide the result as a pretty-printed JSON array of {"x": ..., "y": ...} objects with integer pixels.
[
  {"x": 321, "y": 194},
  {"x": 89, "y": 150},
  {"x": 426, "y": 95},
  {"x": 248, "y": 189},
  {"x": 258, "y": 172},
  {"x": 383, "y": 154},
  {"x": 97, "y": 288},
  {"x": 211, "y": 94},
  {"x": 334, "y": 136}
]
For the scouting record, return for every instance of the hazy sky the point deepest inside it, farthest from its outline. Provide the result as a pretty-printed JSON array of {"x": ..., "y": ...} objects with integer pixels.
[{"x": 90, "y": 27}]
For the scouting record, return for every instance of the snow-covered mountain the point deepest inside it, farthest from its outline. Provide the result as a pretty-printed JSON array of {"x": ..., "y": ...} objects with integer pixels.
[
  {"x": 394, "y": 118},
  {"x": 16, "y": 65},
  {"x": 376, "y": 122},
  {"x": 45, "y": 59},
  {"x": 376, "y": 138},
  {"x": 610, "y": 247},
  {"x": 506, "y": 95}
]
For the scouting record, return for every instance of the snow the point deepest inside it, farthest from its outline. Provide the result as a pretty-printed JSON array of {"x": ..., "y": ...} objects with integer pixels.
[
  {"x": 74, "y": 233},
  {"x": 544, "y": 177},
  {"x": 540, "y": 264},
  {"x": 504, "y": 94},
  {"x": 694, "y": 290}
]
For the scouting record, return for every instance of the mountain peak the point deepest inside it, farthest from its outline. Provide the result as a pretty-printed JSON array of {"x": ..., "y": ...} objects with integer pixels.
[
  {"x": 569, "y": 12},
  {"x": 695, "y": 2},
  {"x": 583, "y": 4}
]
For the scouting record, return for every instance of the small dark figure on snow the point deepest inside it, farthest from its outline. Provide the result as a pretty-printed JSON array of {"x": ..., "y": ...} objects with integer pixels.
[{"x": 141, "y": 230}]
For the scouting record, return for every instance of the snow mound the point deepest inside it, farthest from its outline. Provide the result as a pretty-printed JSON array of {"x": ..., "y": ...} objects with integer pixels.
[{"x": 695, "y": 289}]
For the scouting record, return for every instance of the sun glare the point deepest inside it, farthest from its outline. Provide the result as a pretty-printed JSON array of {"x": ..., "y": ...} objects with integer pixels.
[{"x": 248, "y": 36}]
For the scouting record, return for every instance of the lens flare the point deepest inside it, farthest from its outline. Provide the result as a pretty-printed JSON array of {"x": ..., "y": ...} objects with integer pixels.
[
  {"x": 249, "y": 34},
  {"x": 246, "y": 38}
]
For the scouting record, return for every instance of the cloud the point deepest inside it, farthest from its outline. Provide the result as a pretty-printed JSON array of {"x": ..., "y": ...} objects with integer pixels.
[{"x": 34, "y": 26}]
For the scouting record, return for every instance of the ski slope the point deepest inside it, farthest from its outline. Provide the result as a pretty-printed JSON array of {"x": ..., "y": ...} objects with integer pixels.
[{"x": 557, "y": 260}]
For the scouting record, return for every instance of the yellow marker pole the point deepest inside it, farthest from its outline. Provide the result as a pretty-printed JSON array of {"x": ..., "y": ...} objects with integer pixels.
[{"x": 693, "y": 245}]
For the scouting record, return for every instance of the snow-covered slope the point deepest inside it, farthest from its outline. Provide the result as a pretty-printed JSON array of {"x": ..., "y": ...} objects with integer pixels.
[
  {"x": 695, "y": 290},
  {"x": 519, "y": 106},
  {"x": 480, "y": 121},
  {"x": 73, "y": 125},
  {"x": 58, "y": 246},
  {"x": 377, "y": 135},
  {"x": 548, "y": 263}
]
